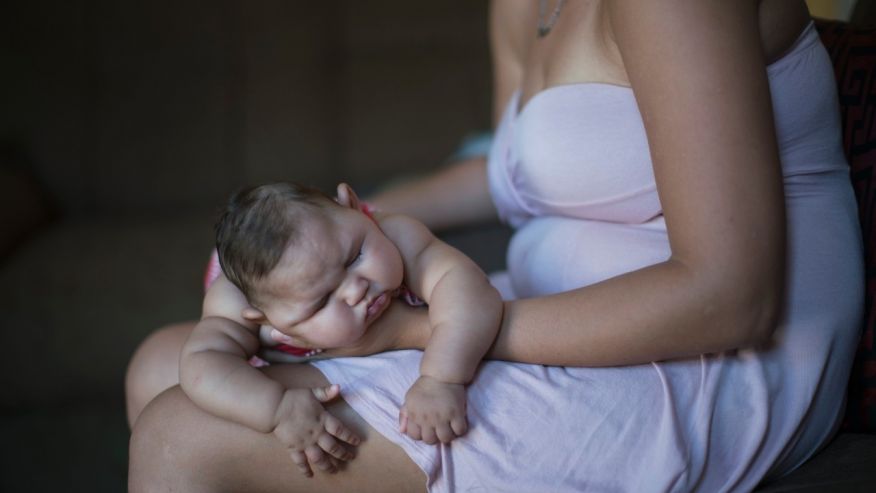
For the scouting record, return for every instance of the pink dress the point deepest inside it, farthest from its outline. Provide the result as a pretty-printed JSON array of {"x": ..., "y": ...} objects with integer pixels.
[{"x": 572, "y": 173}]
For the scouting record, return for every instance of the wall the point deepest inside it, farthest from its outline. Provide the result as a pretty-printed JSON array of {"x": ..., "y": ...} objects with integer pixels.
[{"x": 139, "y": 106}]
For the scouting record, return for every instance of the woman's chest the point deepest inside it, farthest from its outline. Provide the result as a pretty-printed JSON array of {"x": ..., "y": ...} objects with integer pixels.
[
  {"x": 580, "y": 150},
  {"x": 581, "y": 46}
]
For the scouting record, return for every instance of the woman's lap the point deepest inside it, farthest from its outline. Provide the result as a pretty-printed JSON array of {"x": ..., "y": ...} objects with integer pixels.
[
  {"x": 154, "y": 367},
  {"x": 174, "y": 443},
  {"x": 702, "y": 423},
  {"x": 719, "y": 421},
  {"x": 535, "y": 428},
  {"x": 531, "y": 426}
]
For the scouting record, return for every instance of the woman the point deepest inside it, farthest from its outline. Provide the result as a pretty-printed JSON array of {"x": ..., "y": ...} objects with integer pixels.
[{"x": 679, "y": 197}]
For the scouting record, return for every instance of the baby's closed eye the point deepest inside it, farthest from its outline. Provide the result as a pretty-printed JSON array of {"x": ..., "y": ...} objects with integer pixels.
[
  {"x": 322, "y": 303},
  {"x": 355, "y": 258}
]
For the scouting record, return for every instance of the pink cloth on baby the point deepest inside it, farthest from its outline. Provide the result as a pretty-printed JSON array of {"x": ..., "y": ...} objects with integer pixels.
[{"x": 571, "y": 172}]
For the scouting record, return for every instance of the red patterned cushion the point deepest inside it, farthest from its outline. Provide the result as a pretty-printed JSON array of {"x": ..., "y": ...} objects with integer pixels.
[{"x": 853, "y": 52}]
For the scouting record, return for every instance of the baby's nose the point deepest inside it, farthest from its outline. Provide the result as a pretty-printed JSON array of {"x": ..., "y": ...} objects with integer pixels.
[{"x": 356, "y": 290}]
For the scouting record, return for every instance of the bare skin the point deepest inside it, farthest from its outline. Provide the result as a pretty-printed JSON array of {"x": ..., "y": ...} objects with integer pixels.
[
  {"x": 651, "y": 314},
  {"x": 252, "y": 461},
  {"x": 171, "y": 417},
  {"x": 327, "y": 273},
  {"x": 154, "y": 367}
]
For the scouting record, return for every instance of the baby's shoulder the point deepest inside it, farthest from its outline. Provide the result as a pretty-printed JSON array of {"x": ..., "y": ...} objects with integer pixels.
[
  {"x": 224, "y": 299},
  {"x": 392, "y": 222},
  {"x": 406, "y": 232}
]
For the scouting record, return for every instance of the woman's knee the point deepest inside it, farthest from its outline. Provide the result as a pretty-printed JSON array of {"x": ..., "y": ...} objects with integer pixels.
[
  {"x": 175, "y": 446},
  {"x": 160, "y": 457},
  {"x": 154, "y": 367}
]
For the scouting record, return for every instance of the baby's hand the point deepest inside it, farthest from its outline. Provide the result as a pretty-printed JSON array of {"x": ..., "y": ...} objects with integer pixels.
[
  {"x": 434, "y": 411},
  {"x": 309, "y": 432}
]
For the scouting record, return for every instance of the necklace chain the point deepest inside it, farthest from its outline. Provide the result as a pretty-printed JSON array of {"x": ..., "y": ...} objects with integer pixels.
[{"x": 544, "y": 27}]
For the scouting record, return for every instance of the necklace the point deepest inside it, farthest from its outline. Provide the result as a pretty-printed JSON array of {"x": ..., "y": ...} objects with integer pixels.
[{"x": 544, "y": 28}]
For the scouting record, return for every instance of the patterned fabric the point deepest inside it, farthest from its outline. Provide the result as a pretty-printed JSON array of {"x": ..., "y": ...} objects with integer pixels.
[{"x": 853, "y": 52}]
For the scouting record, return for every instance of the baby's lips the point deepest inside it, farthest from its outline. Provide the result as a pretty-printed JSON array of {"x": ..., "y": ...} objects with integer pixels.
[{"x": 375, "y": 306}]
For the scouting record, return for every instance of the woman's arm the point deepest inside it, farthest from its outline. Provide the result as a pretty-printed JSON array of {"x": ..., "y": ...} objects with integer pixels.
[
  {"x": 698, "y": 74},
  {"x": 458, "y": 195},
  {"x": 455, "y": 195},
  {"x": 716, "y": 164}
]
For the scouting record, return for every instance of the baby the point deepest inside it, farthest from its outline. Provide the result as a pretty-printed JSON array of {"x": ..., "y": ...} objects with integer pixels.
[{"x": 319, "y": 272}]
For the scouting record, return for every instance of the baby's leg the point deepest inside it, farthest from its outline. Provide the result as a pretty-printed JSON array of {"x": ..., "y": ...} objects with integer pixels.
[{"x": 154, "y": 367}]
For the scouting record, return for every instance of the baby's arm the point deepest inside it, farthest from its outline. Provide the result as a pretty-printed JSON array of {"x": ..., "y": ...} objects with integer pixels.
[
  {"x": 216, "y": 375},
  {"x": 465, "y": 312}
]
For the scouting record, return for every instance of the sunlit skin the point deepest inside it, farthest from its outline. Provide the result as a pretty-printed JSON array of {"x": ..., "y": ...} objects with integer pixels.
[{"x": 334, "y": 278}]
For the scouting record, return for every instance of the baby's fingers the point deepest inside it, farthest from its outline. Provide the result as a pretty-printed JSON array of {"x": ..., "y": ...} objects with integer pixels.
[
  {"x": 445, "y": 433},
  {"x": 403, "y": 420},
  {"x": 413, "y": 430},
  {"x": 337, "y": 429},
  {"x": 327, "y": 393},
  {"x": 333, "y": 447},
  {"x": 278, "y": 337},
  {"x": 427, "y": 434},
  {"x": 318, "y": 458},
  {"x": 300, "y": 460},
  {"x": 459, "y": 425}
]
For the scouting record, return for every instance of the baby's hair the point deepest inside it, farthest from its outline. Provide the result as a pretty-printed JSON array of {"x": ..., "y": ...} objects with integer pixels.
[{"x": 257, "y": 226}]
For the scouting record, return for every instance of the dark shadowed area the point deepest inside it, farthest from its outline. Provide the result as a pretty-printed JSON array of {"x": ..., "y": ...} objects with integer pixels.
[{"x": 125, "y": 125}]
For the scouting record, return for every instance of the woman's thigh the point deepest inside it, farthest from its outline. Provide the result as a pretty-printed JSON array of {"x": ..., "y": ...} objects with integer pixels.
[
  {"x": 154, "y": 367},
  {"x": 175, "y": 445}
]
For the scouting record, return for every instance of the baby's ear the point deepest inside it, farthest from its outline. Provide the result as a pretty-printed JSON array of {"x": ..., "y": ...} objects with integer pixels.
[
  {"x": 347, "y": 197},
  {"x": 253, "y": 315}
]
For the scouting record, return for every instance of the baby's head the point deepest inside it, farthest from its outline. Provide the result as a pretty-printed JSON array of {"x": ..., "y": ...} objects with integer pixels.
[
  {"x": 317, "y": 269},
  {"x": 258, "y": 224}
]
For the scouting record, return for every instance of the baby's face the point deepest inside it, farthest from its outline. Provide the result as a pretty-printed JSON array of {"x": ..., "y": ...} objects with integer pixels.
[{"x": 331, "y": 283}]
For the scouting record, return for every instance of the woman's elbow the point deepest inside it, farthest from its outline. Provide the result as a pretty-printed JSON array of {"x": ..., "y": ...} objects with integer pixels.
[
  {"x": 743, "y": 305},
  {"x": 758, "y": 315}
]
